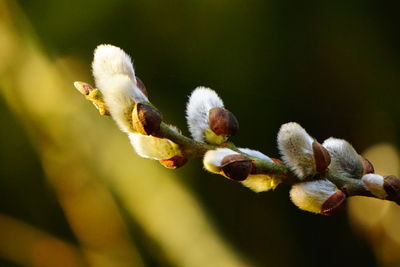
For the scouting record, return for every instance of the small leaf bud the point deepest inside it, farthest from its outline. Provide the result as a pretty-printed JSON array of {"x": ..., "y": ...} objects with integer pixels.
[
  {"x": 236, "y": 167},
  {"x": 146, "y": 119},
  {"x": 256, "y": 181},
  {"x": 174, "y": 162},
  {"x": 368, "y": 167},
  {"x": 141, "y": 86},
  {"x": 392, "y": 187},
  {"x": 321, "y": 157},
  {"x": 334, "y": 204},
  {"x": 222, "y": 122},
  {"x": 212, "y": 160}
]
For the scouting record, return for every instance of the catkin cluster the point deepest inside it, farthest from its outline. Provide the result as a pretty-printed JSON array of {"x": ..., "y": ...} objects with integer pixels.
[{"x": 122, "y": 95}]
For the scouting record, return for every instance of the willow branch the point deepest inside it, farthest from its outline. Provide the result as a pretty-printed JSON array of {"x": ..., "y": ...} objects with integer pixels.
[{"x": 195, "y": 149}]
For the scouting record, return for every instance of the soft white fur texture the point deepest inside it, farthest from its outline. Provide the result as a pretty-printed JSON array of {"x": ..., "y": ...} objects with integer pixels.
[
  {"x": 213, "y": 158},
  {"x": 255, "y": 153},
  {"x": 311, "y": 195},
  {"x": 119, "y": 99},
  {"x": 115, "y": 78},
  {"x": 148, "y": 146},
  {"x": 110, "y": 60},
  {"x": 374, "y": 184},
  {"x": 200, "y": 102},
  {"x": 344, "y": 158},
  {"x": 256, "y": 182},
  {"x": 295, "y": 145}
]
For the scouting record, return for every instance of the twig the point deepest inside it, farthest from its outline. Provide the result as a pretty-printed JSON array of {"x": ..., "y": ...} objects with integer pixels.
[{"x": 321, "y": 176}]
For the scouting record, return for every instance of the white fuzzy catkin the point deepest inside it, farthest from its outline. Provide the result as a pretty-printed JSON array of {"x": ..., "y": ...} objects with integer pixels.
[
  {"x": 200, "y": 102},
  {"x": 295, "y": 145},
  {"x": 255, "y": 153},
  {"x": 260, "y": 182},
  {"x": 148, "y": 146},
  {"x": 119, "y": 100},
  {"x": 311, "y": 195},
  {"x": 374, "y": 184},
  {"x": 115, "y": 78},
  {"x": 344, "y": 158},
  {"x": 257, "y": 182},
  {"x": 110, "y": 60},
  {"x": 213, "y": 158}
]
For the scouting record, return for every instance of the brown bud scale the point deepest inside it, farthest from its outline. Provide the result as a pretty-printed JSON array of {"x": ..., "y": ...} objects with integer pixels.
[
  {"x": 174, "y": 162},
  {"x": 141, "y": 86},
  {"x": 321, "y": 156},
  {"x": 391, "y": 185},
  {"x": 368, "y": 167},
  {"x": 334, "y": 204},
  {"x": 223, "y": 122},
  {"x": 236, "y": 167},
  {"x": 277, "y": 161},
  {"x": 146, "y": 119}
]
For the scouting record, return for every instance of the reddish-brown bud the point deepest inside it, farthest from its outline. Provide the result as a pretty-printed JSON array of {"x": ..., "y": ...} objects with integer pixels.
[
  {"x": 141, "y": 86},
  {"x": 236, "y": 167},
  {"x": 174, "y": 162},
  {"x": 321, "y": 156},
  {"x": 391, "y": 185},
  {"x": 368, "y": 167},
  {"x": 146, "y": 119},
  {"x": 223, "y": 122},
  {"x": 334, "y": 204},
  {"x": 277, "y": 161}
]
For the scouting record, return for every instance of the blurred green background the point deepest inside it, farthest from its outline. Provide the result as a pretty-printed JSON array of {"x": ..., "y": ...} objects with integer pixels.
[{"x": 72, "y": 191}]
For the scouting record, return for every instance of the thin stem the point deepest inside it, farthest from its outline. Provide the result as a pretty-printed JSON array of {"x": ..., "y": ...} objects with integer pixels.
[
  {"x": 190, "y": 147},
  {"x": 352, "y": 187}
]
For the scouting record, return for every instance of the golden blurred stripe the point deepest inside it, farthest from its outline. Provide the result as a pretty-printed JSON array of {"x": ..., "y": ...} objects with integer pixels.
[{"x": 23, "y": 244}]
